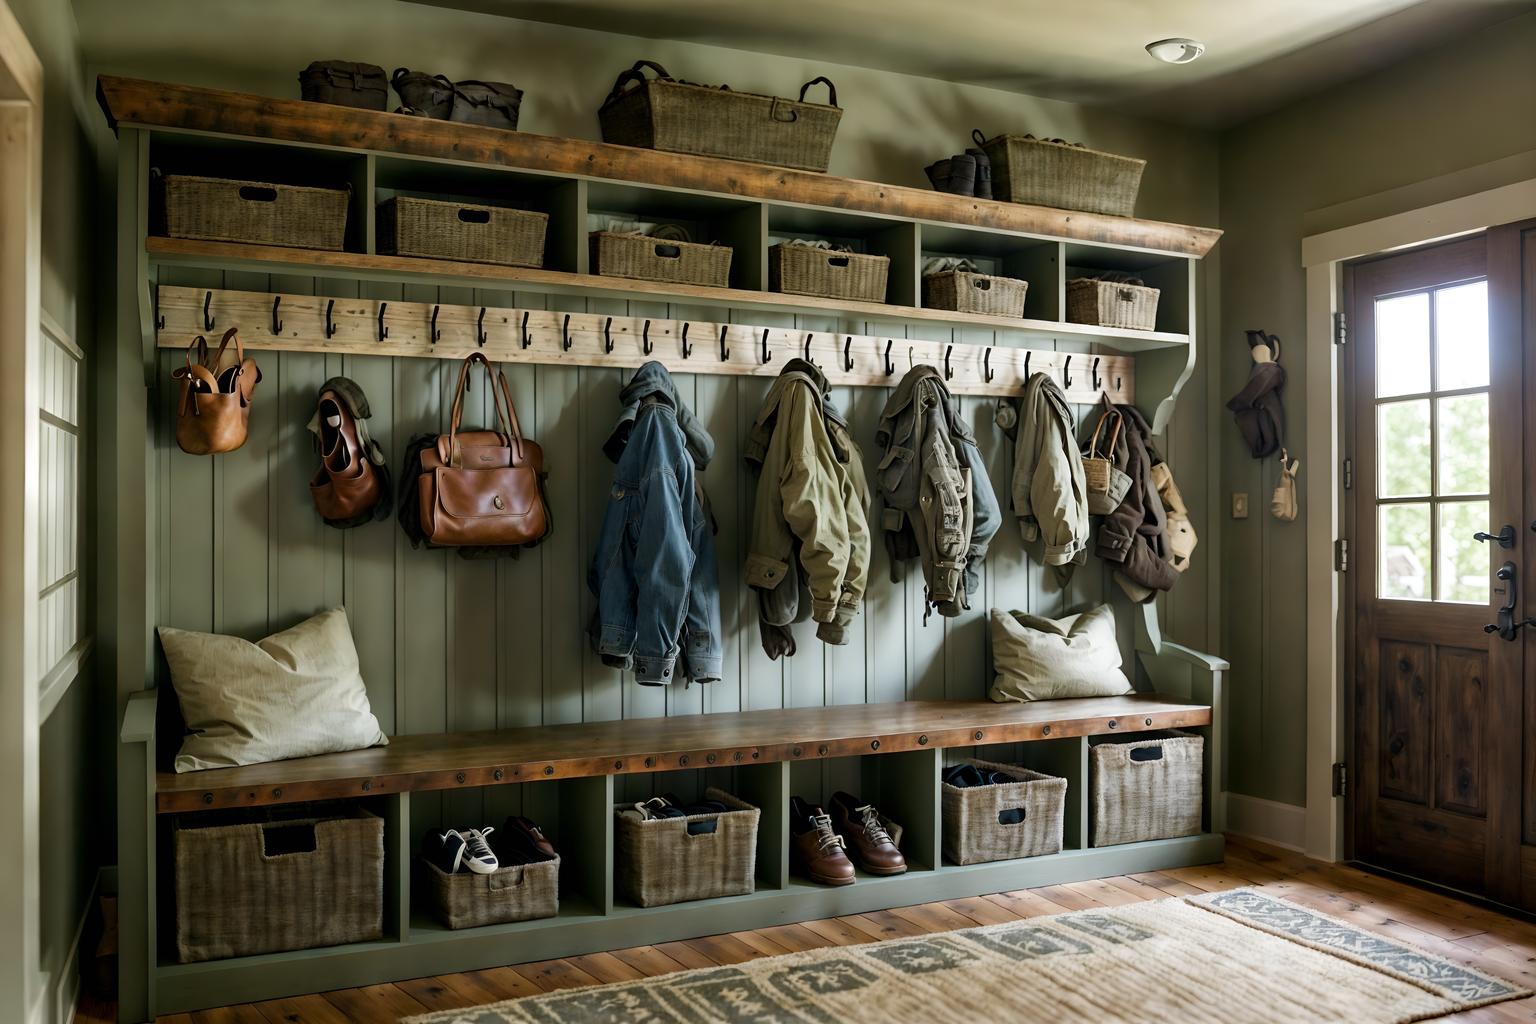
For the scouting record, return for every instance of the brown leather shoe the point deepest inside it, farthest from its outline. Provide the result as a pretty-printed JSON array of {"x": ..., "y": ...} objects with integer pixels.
[
  {"x": 817, "y": 850},
  {"x": 349, "y": 485},
  {"x": 535, "y": 836},
  {"x": 868, "y": 841}
]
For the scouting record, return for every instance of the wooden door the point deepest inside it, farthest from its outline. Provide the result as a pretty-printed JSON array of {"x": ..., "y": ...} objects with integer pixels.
[{"x": 1435, "y": 411}]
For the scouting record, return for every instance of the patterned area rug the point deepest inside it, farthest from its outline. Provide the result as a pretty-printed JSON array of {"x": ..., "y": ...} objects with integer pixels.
[{"x": 1230, "y": 956}]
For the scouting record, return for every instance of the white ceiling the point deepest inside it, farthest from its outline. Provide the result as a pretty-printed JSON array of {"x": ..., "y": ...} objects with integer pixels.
[{"x": 1262, "y": 53}]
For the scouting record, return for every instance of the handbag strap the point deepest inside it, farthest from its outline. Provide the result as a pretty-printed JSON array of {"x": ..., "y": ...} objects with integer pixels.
[
  {"x": 516, "y": 430},
  {"x": 820, "y": 80},
  {"x": 500, "y": 395},
  {"x": 188, "y": 389},
  {"x": 637, "y": 75},
  {"x": 1114, "y": 436}
]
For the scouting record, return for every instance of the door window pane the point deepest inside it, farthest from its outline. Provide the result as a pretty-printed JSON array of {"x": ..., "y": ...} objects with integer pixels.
[
  {"x": 1463, "y": 561},
  {"x": 1462, "y": 423},
  {"x": 1403, "y": 554},
  {"x": 1461, "y": 336},
  {"x": 1402, "y": 449},
  {"x": 1402, "y": 345}
]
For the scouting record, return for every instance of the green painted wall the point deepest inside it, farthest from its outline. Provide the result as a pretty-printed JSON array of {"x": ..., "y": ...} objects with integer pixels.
[
  {"x": 76, "y": 815},
  {"x": 1355, "y": 153}
]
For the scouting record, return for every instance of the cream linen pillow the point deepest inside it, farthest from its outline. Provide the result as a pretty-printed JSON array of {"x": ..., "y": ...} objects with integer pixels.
[
  {"x": 1049, "y": 659},
  {"x": 292, "y": 694}
]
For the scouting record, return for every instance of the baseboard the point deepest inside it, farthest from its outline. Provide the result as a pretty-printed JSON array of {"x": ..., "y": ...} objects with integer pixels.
[
  {"x": 1283, "y": 825},
  {"x": 61, "y": 991}
]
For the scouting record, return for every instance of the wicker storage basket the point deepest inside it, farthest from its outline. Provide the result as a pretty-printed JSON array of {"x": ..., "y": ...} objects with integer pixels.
[
  {"x": 1049, "y": 172},
  {"x": 680, "y": 117},
  {"x": 658, "y": 259},
  {"x": 1147, "y": 787},
  {"x": 288, "y": 882},
  {"x": 967, "y": 292},
  {"x": 1111, "y": 304},
  {"x": 807, "y": 270},
  {"x": 658, "y": 862},
  {"x": 972, "y": 833},
  {"x": 518, "y": 892},
  {"x": 222, "y": 210},
  {"x": 459, "y": 231}
]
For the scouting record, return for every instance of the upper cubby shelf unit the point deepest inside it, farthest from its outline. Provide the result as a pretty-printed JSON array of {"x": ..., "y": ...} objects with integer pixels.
[{"x": 376, "y": 154}]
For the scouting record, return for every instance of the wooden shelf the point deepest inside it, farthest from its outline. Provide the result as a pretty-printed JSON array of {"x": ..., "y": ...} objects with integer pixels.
[
  {"x": 279, "y": 260},
  {"x": 453, "y": 760},
  {"x": 159, "y": 105}
]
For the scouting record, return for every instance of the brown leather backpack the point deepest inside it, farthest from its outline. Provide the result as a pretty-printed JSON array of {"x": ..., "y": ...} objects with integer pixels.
[
  {"x": 482, "y": 488},
  {"x": 214, "y": 410}
]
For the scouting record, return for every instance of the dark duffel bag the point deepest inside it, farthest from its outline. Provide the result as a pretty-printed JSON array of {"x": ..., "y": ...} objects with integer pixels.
[
  {"x": 488, "y": 103},
  {"x": 345, "y": 83},
  {"x": 424, "y": 94}
]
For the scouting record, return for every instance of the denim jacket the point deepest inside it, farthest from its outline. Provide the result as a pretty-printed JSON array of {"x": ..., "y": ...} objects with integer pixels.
[{"x": 655, "y": 573}]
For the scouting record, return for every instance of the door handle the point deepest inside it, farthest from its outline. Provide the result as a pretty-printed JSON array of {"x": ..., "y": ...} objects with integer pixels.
[
  {"x": 1505, "y": 536},
  {"x": 1507, "y": 627}
]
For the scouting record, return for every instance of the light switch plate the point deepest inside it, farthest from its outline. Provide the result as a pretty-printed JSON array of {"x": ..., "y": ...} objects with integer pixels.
[{"x": 1239, "y": 504}]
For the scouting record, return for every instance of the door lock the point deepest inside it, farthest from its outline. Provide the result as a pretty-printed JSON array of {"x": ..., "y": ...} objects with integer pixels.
[
  {"x": 1507, "y": 627},
  {"x": 1505, "y": 536}
]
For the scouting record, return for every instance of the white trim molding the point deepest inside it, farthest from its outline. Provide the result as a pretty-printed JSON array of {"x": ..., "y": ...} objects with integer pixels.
[
  {"x": 1322, "y": 257},
  {"x": 1283, "y": 825}
]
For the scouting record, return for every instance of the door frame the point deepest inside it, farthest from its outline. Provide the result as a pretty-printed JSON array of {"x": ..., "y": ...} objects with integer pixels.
[
  {"x": 1322, "y": 257},
  {"x": 22, "y": 986}
]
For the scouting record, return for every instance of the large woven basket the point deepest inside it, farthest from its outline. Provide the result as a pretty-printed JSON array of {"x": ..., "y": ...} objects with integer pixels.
[
  {"x": 223, "y": 210},
  {"x": 681, "y": 117},
  {"x": 1111, "y": 304},
  {"x": 1049, "y": 172},
  {"x": 807, "y": 270},
  {"x": 457, "y": 231},
  {"x": 1147, "y": 787},
  {"x": 658, "y": 259},
  {"x": 659, "y": 862},
  {"x": 290, "y": 882},
  {"x": 972, "y": 832},
  {"x": 517, "y": 892},
  {"x": 967, "y": 292}
]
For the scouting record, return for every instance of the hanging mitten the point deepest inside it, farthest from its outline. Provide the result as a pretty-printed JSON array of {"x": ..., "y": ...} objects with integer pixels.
[{"x": 1283, "y": 505}]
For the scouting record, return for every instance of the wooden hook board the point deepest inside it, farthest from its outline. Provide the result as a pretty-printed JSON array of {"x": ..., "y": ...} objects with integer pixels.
[{"x": 583, "y": 339}]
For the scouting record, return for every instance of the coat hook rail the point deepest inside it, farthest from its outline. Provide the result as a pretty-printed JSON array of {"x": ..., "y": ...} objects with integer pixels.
[{"x": 441, "y": 331}]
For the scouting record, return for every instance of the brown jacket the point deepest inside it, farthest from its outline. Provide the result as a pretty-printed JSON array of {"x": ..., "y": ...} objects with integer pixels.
[{"x": 1134, "y": 536}]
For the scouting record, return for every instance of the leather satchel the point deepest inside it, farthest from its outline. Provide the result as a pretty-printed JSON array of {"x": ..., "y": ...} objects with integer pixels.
[
  {"x": 214, "y": 410},
  {"x": 483, "y": 488}
]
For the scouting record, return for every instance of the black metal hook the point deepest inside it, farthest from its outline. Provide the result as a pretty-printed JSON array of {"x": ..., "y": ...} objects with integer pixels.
[
  {"x": 986, "y": 364},
  {"x": 436, "y": 334},
  {"x": 808, "y": 358},
  {"x": 1094, "y": 374},
  {"x": 524, "y": 329},
  {"x": 1117, "y": 382},
  {"x": 607, "y": 338},
  {"x": 480, "y": 328},
  {"x": 847, "y": 359},
  {"x": 766, "y": 354},
  {"x": 645, "y": 338},
  {"x": 330, "y": 325},
  {"x": 154, "y": 298},
  {"x": 687, "y": 349},
  {"x": 383, "y": 331},
  {"x": 1027, "y": 354},
  {"x": 949, "y": 372},
  {"x": 207, "y": 320},
  {"x": 565, "y": 334},
  {"x": 725, "y": 353},
  {"x": 890, "y": 367},
  {"x": 277, "y": 325},
  {"x": 1066, "y": 374}
]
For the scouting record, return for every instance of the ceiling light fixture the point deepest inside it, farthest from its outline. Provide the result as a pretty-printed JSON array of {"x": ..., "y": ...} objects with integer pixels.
[{"x": 1176, "y": 51}]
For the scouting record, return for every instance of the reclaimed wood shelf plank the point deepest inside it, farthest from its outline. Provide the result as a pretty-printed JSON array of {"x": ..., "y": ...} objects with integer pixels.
[
  {"x": 162, "y": 105},
  {"x": 453, "y": 760}
]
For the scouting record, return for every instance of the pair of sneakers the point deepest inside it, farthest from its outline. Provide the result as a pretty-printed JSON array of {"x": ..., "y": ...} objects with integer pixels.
[
  {"x": 668, "y": 806},
  {"x": 520, "y": 841}
]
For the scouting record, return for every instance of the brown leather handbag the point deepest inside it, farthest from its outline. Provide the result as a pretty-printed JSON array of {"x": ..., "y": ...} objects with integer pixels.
[
  {"x": 482, "y": 488},
  {"x": 214, "y": 410}
]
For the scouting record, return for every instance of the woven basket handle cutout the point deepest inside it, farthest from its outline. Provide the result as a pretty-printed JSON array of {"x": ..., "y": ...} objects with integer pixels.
[
  {"x": 1144, "y": 754},
  {"x": 258, "y": 193},
  {"x": 821, "y": 80},
  {"x": 474, "y": 215},
  {"x": 636, "y": 75}
]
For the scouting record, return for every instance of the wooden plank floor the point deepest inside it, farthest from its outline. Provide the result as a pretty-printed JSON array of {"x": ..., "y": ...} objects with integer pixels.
[{"x": 1472, "y": 935}]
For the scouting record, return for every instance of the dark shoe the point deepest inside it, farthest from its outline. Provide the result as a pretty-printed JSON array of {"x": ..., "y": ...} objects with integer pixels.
[
  {"x": 938, "y": 175},
  {"x": 816, "y": 849},
  {"x": 351, "y": 487},
  {"x": 522, "y": 834},
  {"x": 983, "y": 188},
  {"x": 965, "y": 776},
  {"x": 868, "y": 842},
  {"x": 444, "y": 850},
  {"x": 962, "y": 175}
]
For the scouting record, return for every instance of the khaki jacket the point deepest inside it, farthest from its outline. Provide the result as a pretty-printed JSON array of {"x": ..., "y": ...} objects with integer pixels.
[
  {"x": 1050, "y": 496},
  {"x": 810, "y": 513}
]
